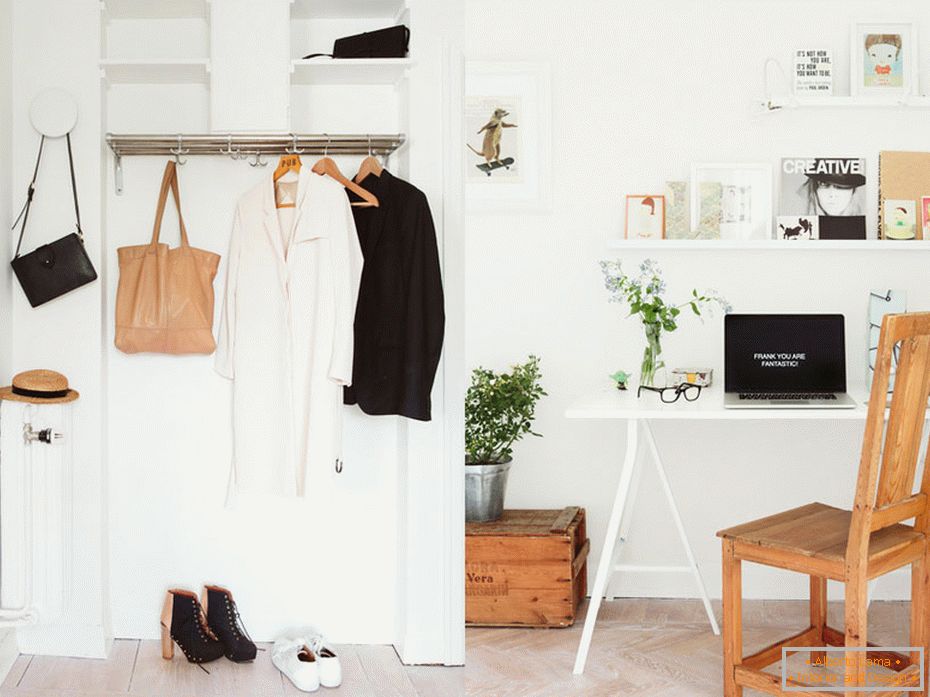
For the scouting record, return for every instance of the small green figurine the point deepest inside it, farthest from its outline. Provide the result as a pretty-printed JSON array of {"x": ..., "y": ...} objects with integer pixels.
[{"x": 621, "y": 379}]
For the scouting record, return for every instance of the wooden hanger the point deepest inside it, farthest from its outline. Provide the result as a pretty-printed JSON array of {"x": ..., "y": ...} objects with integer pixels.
[
  {"x": 370, "y": 165},
  {"x": 288, "y": 163},
  {"x": 328, "y": 167}
]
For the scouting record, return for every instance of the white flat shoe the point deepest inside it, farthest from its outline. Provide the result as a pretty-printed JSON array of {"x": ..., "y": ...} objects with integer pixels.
[
  {"x": 298, "y": 662},
  {"x": 328, "y": 661}
]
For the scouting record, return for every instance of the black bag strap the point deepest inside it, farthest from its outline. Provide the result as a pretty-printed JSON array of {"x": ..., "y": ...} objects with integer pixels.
[
  {"x": 30, "y": 194},
  {"x": 77, "y": 210}
]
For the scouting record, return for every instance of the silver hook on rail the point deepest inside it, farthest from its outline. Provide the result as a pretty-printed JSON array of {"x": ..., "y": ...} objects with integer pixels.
[
  {"x": 292, "y": 149},
  {"x": 329, "y": 139},
  {"x": 178, "y": 151},
  {"x": 258, "y": 161},
  {"x": 234, "y": 154}
]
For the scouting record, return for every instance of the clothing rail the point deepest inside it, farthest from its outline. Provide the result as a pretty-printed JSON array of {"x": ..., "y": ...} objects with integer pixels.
[{"x": 246, "y": 146}]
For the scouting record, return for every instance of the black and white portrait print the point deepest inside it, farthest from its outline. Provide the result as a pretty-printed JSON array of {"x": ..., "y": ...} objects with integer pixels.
[{"x": 831, "y": 188}]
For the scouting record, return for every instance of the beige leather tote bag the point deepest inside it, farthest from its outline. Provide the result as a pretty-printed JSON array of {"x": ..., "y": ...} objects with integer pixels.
[{"x": 164, "y": 302}]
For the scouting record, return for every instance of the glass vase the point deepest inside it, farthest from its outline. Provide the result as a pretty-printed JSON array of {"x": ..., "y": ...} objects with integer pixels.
[{"x": 652, "y": 355}]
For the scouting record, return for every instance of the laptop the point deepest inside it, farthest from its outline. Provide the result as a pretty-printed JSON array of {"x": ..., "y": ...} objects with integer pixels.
[{"x": 785, "y": 361}]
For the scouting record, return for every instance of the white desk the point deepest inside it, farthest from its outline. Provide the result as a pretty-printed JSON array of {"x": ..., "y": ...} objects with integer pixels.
[{"x": 610, "y": 403}]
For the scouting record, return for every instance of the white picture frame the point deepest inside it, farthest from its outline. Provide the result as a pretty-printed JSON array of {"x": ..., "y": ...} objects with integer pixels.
[
  {"x": 522, "y": 91},
  {"x": 753, "y": 184},
  {"x": 904, "y": 69}
]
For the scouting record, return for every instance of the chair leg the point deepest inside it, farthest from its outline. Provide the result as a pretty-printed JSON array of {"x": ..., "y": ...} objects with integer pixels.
[
  {"x": 732, "y": 620},
  {"x": 818, "y": 608},
  {"x": 856, "y": 610},
  {"x": 920, "y": 606}
]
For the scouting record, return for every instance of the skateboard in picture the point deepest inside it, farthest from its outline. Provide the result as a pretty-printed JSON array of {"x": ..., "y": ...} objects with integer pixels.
[{"x": 488, "y": 167}]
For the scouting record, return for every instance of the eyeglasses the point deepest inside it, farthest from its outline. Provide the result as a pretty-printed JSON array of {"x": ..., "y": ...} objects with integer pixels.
[{"x": 670, "y": 395}]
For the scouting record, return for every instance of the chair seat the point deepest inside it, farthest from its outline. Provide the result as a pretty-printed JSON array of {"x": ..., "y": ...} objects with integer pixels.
[{"x": 819, "y": 532}]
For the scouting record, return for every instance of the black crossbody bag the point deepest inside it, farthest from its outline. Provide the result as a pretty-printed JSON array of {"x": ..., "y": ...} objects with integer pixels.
[
  {"x": 391, "y": 42},
  {"x": 57, "y": 267}
]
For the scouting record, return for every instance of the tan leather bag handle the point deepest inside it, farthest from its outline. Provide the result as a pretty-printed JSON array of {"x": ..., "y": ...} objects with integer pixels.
[{"x": 170, "y": 179}]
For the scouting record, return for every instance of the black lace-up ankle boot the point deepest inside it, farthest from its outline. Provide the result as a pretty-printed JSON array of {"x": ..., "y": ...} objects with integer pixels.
[
  {"x": 223, "y": 618},
  {"x": 183, "y": 623}
]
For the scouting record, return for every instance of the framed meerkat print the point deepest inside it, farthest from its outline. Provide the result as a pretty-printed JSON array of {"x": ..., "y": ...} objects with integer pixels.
[{"x": 506, "y": 141}]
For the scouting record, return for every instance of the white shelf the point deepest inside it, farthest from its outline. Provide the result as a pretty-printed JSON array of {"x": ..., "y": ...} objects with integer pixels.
[
  {"x": 349, "y": 71},
  {"x": 155, "y": 9},
  {"x": 346, "y": 9},
  {"x": 155, "y": 72},
  {"x": 846, "y": 102},
  {"x": 785, "y": 245}
]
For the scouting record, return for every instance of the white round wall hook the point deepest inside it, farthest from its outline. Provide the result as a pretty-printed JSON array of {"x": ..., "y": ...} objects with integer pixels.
[{"x": 53, "y": 112}]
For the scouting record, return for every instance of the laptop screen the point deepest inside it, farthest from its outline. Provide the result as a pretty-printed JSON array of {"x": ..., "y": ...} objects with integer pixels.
[{"x": 784, "y": 353}]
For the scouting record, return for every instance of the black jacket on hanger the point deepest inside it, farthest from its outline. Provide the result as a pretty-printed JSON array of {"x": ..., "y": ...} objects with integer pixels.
[{"x": 400, "y": 319}]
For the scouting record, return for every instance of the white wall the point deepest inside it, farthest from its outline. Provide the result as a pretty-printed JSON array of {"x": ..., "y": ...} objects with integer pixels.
[
  {"x": 8, "y": 648},
  {"x": 55, "y": 45},
  {"x": 339, "y": 558},
  {"x": 639, "y": 92},
  {"x": 6, "y": 217},
  {"x": 151, "y": 433}
]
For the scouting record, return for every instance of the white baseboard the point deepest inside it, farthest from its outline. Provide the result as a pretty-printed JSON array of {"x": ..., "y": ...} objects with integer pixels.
[
  {"x": 75, "y": 641},
  {"x": 9, "y": 651}
]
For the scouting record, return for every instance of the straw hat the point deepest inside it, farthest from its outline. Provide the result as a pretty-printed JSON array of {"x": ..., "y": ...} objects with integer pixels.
[{"x": 39, "y": 387}]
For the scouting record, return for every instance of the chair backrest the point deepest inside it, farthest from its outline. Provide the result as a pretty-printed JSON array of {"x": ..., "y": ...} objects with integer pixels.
[{"x": 885, "y": 485}]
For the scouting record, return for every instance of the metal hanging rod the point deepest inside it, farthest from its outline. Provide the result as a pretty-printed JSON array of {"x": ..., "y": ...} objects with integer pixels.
[{"x": 250, "y": 146}]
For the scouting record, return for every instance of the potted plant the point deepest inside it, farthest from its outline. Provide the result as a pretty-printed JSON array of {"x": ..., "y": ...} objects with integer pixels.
[
  {"x": 644, "y": 295},
  {"x": 499, "y": 411}
]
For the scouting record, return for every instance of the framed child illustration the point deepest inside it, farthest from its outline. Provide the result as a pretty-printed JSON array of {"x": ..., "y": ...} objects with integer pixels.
[
  {"x": 883, "y": 59},
  {"x": 645, "y": 217}
]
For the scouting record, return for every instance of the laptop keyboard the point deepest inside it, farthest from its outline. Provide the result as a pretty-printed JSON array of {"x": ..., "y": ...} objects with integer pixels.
[{"x": 787, "y": 395}]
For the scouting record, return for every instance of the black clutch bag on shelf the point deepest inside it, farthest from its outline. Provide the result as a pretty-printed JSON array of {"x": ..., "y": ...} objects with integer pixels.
[
  {"x": 57, "y": 267},
  {"x": 391, "y": 42}
]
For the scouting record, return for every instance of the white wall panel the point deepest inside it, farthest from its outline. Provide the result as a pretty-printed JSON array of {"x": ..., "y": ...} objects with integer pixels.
[
  {"x": 656, "y": 87},
  {"x": 56, "y": 44},
  {"x": 249, "y": 55}
]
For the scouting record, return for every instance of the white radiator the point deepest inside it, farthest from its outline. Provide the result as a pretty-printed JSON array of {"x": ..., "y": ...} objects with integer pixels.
[{"x": 35, "y": 512}]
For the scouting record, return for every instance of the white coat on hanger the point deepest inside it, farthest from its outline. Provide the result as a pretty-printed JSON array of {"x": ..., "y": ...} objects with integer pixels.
[{"x": 286, "y": 337}]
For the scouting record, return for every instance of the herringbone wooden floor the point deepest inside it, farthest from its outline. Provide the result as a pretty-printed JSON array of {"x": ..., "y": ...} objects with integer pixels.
[{"x": 643, "y": 647}]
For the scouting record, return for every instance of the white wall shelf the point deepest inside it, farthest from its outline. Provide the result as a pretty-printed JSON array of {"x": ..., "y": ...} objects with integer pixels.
[
  {"x": 346, "y": 9},
  {"x": 786, "y": 245},
  {"x": 159, "y": 72},
  {"x": 349, "y": 71},
  {"x": 846, "y": 102},
  {"x": 155, "y": 9}
]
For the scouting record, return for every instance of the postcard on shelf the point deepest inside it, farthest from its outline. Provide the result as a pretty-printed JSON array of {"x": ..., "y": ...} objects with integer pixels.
[
  {"x": 732, "y": 201},
  {"x": 925, "y": 216},
  {"x": 830, "y": 189},
  {"x": 708, "y": 210},
  {"x": 798, "y": 227},
  {"x": 903, "y": 182},
  {"x": 645, "y": 217},
  {"x": 813, "y": 71},
  {"x": 899, "y": 220},
  {"x": 883, "y": 59},
  {"x": 677, "y": 211}
]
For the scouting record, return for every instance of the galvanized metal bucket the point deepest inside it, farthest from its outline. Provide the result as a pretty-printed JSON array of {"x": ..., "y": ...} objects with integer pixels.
[{"x": 485, "y": 486}]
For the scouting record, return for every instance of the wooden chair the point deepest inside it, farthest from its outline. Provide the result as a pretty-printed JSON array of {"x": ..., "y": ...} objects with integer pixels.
[{"x": 849, "y": 546}]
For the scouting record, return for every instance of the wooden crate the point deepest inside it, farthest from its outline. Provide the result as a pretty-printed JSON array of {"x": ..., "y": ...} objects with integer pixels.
[{"x": 527, "y": 569}]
